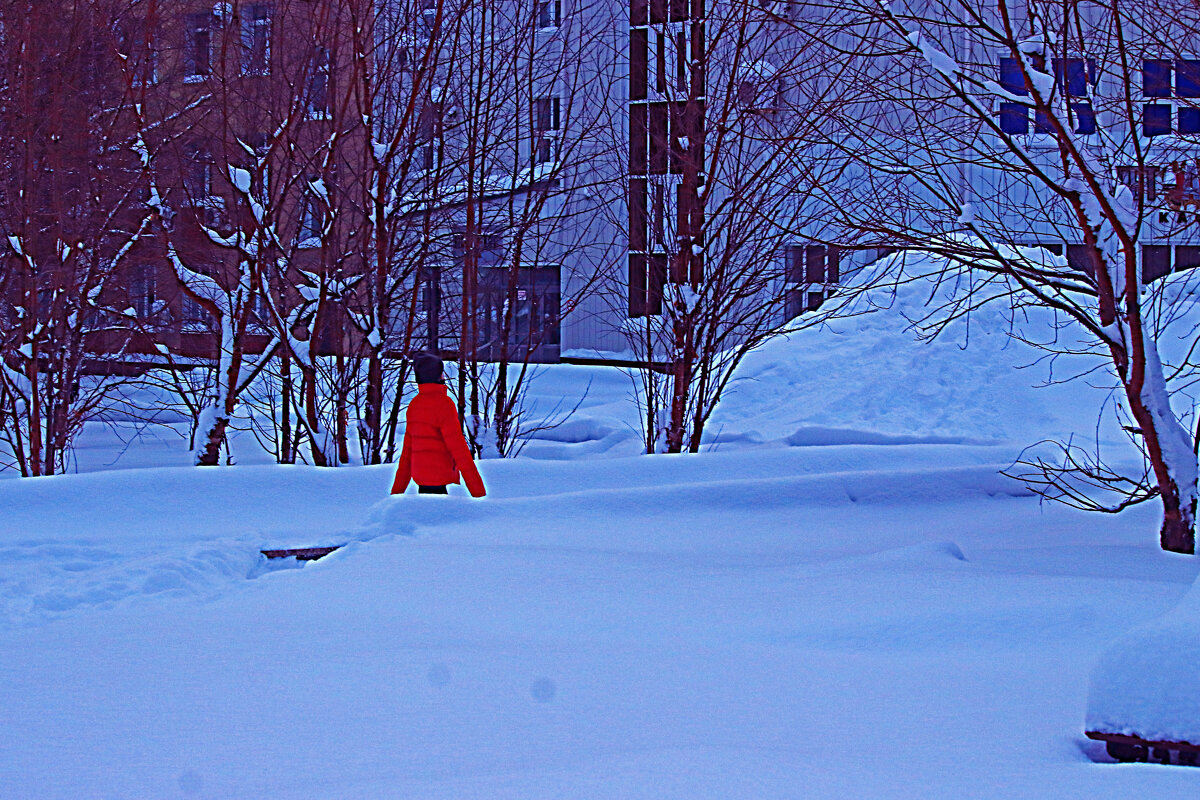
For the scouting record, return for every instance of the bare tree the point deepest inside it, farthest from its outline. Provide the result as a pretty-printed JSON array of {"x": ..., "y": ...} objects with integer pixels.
[
  {"x": 727, "y": 151},
  {"x": 71, "y": 213},
  {"x": 1061, "y": 126}
]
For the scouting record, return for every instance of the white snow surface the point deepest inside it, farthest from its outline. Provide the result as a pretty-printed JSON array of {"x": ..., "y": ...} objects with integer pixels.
[{"x": 840, "y": 598}]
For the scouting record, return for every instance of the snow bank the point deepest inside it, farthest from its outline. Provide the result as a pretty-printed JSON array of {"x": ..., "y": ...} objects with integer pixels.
[
  {"x": 871, "y": 374},
  {"x": 1146, "y": 683}
]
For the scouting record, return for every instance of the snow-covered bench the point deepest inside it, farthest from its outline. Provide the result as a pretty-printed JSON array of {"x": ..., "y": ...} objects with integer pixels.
[{"x": 1144, "y": 700}]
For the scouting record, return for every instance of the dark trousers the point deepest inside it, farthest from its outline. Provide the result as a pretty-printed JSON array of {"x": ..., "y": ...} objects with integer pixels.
[{"x": 432, "y": 490}]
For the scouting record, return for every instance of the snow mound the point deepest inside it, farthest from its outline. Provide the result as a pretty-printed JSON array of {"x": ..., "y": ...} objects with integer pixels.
[
  {"x": 869, "y": 376},
  {"x": 1145, "y": 683}
]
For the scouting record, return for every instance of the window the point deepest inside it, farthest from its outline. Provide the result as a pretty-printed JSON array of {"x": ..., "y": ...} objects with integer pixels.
[
  {"x": 667, "y": 67},
  {"x": 489, "y": 248},
  {"x": 546, "y": 127},
  {"x": 198, "y": 55},
  {"x": 758, "y": 91},
  {"x": 260, "y": 313},
  {"x": 637, "y": 214},
  {"x": 256, "y": 40},
  {"x": 1072, "y": 79},
  {"x": 659, "y": 116},
  {"x": 647, "y": 274},
  {"x": 549, "y": 13},
  {"x": 1082, "y": 258},
  {"x": 312, "y": 214},
  {"x": 638, "y": 128},
  {"x": 143, "y": 292},
  {"x": 192, "y": 314},
  {"x": 1171, "y": 89},
  {"x": 197, "y": 176},
  {"x": 813, "y": 264},
  {"x": 429, "y": 132},
  {"x": 1156, "y": 262},
  {"x": 318, "y": 84},
  {"x": 639, "y": 66},
  {"x": 138, "y": 53}
]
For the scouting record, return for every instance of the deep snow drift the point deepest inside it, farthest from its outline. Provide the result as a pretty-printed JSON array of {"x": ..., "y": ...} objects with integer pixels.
[{"x": 842, "y": 597}]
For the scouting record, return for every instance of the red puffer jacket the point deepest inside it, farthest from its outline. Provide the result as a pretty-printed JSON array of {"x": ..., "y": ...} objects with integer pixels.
[{"x": 435, "y": 452}]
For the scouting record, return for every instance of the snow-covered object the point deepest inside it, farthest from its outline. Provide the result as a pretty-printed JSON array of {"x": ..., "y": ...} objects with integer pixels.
[{"x": 1145, "y": 683}]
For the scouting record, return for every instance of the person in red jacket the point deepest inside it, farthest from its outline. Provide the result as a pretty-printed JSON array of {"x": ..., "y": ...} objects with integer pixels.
[{"x": 435, "y": 453}]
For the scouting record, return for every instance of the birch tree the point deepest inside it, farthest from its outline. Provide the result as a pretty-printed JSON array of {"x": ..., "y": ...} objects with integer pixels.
[{"x": 1055, "y": 125}]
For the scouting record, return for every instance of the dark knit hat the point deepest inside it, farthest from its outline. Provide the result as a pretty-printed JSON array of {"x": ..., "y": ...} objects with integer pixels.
[{"x": 428, "y": 368}]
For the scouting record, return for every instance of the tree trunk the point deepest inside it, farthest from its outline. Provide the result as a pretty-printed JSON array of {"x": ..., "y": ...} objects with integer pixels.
[
  {"x": 374, "y": 420},
  {"x": 1178, "y": 534},
  {"x": 287, "y": 454},
  {"x": 211, "y": 455}
]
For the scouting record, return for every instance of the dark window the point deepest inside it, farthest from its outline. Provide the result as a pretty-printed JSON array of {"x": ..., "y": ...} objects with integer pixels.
[
  {"x": 311, "y": 214},
  {"x": 637, "y": 214},
  {"x": 546, "y": 114},
  {"x": 658, "y": 11},
  {"x": 1189, "y": 120},
  {"x": 1186, "y": 257},
  {"x": 1144, "y": 181},
  {"x": 199, "y": 46},
  {"x": 1082, "y": 258},
  {"x": 638, "y": 124},
  {"x": 256, "y": 39},
  {"x": 1156, "y": 262},
  {"x": 1073, "y": 76},
  {"x": 1014, "y": 118},
  {"x": 549, "y": 13},
  {"x": 1084, "y": 117},
  {"x": 1042, "y": 122},
  {"x": 639, "y": 12},
  {"x": 429, "y": 132},
  {"x": 814, "y": 264},
  {"x": 1156, "y": 78},
  {"x": 546, "y": 123},
  {"x": 192, "y": 313},
  {"x": 687, "y": 212},
  {"x": 637, "y": 284},
  {"x": 681, "y": 63},
  {"x": 639, "y": 76},
  {"x": 658, "y": 214},
  {"x": 1156, "y": 119},
  {"x": 318, "y": 83},
  {"x": 794, "y": 304},
  {"x": 660, "y": 62},
  {"x": 647, "y": 275},
  {"x": 1012, "y": 78},
  {"x": 197, "y": 177},
  {"x": 431, "y": 305},
  {"x": 136, "y": 45},
  {"x": 1075, "y": 80},
  {"x": 143, "y": 291},
  {"x": 551, "y": 303},
  {"x": 794, "y": 264},
  {"x": 1187, "y": 78},
  {"x": 658, "y": 123}
]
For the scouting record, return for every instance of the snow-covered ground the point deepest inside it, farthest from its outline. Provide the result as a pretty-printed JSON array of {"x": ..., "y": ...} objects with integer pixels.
[{"x": 841, "y": 598}]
